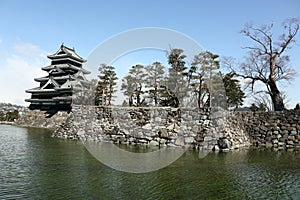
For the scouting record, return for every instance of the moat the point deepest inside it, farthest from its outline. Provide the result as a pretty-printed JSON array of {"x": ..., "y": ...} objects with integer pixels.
[{"x": 34, "y": 165}]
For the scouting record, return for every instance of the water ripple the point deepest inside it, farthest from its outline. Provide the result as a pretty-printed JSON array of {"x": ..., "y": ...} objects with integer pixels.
[{"x": 35, "y": 166}]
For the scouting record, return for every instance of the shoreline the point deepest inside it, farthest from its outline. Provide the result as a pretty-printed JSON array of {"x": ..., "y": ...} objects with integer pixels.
[
  {"x": 7, "y": 123},
  {"x": 280, "y": 130},
  {"x": 252, "y": 146},
  {"x": 24, "y": 126}
]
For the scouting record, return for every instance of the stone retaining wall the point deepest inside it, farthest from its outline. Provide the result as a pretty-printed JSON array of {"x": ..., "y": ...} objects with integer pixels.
[
  {"x": 208, "y": 129},
  {"x": 271, "y": 129},
  {"x": 33, "y": 118},
  {"x": 205, "y": 129}
]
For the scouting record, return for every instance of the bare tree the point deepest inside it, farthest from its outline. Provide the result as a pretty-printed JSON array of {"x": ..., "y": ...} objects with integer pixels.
[
  {"x": 265, "y": 62},
  {"x": 262, "y": 98}
]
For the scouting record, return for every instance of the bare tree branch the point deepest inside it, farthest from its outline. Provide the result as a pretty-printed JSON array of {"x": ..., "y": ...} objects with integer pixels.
[{"x": 265, "y": 62}]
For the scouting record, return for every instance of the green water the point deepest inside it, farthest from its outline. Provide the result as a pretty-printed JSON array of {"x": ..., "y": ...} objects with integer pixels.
[{"x": 35, "y": 166}]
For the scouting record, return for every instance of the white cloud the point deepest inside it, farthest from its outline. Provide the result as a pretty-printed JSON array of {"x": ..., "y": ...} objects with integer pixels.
[
  {"x": 18, "y": 69},
  {"x": 0, "y": 40},
  {"x": 29, "y": 50}
]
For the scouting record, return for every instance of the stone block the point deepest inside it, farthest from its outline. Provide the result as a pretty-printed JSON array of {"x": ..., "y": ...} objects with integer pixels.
[
  {"x": 281, "y": 143},
  {"x": 157, "y": 119},
  {"x": 294, "y": 132},
  {"x": 290, "y": 142},
  {"x": 142, "y": 141},
  {"x": 207, "y": 138},
  {"x": 153, "y": 143},
  {"x": 224, "y": 143},
  {"x": 163, "y": 133},
  {"x": 291, "y": 137},
  {"x": 179, "y": 141},
  {"x": 189, "y": 140},
  {"x": 147, "y": 127},
  {"x": 170, "y": 127},
  {"x": 269, "y": 144},
  {"x": 216, "y": 148},
  {"x": 275, "y": 141}
]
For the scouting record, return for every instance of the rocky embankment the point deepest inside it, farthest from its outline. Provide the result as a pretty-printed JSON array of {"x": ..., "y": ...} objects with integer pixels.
[
  {"x": 208, "y": 129},
  {"x": 201, "y": 129},
  {"x": 9, "y": 113},
  {"x": 40, "y": 119},
  {"x": 7, "y": 107},
  {"x": 272, "y": 129}
]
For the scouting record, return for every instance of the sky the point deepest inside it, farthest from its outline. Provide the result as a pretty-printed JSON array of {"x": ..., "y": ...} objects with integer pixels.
[{"x": 30, "y": 30}]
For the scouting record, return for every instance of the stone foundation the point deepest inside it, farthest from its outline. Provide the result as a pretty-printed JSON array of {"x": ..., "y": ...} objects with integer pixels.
[
  {"x": 34, "y": 118},
  {"x": 206, "y": 129},
  {"x": 271, "y": 129},
  {"x": 201, "y": 129}
]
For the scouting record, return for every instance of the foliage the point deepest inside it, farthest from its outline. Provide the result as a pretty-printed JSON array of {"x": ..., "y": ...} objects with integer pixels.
[
  {"x": 234, "y": 93},
  {"x": 132, "y": 85},
  {"x": 258, "y": 108},
  {"x": 153, "y": 80},
  {"x": 175, "y": 85},
  {"x": 9, "y": 116},
  {"x": 2, "y": 116},
  {"x": 106, "y": 85},
  {"x": 201, "y": 77},
  {"x": 266, "y": 62}
]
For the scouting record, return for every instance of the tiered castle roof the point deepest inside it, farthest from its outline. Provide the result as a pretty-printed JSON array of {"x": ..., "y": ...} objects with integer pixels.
[{"x": 65, "y": 74}]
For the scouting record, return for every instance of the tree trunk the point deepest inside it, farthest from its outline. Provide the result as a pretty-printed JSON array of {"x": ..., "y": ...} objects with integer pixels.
[
  {"x": 275, "y": 94},
  {"x": 155, "y": 95},
  {"x": 276, "y": 97},
  {"x": 200, "y": 92},
  {"x": 130, "y": 101}
]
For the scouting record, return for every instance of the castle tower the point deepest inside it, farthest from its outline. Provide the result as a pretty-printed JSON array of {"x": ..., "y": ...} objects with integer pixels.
[{"x": 55, "y": 90}]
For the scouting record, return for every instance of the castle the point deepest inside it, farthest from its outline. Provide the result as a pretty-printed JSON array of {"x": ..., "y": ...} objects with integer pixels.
[{"x": 65, "y": 75}]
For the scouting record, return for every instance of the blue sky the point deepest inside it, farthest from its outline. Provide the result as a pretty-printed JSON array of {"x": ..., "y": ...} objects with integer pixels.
[{"x": 30, "y": 30}]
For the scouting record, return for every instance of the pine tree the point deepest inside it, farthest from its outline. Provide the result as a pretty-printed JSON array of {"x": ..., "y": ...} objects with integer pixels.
[
  {"x": 154, "y": 78},
  {"x": 175, "y": 87},
  {"x": 205, "y": 80},
  {"x": 132, "y": 85},
  {"x": 235, "y": 96},
  {"x": 106, "y": 85}
]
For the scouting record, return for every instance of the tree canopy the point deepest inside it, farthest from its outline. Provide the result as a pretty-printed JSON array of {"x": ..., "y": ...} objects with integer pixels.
[
  {"x": 234, "y": 93},
  {"x": 133, "y": 83},
  {"x": 266, "y": 61},
  {"x": 201, "y": 76},
  {"x": 106, "y": 85},
  {"x": 154, "y": 79}
]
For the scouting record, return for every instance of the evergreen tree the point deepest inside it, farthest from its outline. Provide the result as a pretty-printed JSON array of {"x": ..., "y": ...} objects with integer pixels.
[
  {"x": 235, "y": 96},
  {"x": 132, "y": 85},
  {"x": 106, "y": 85},
  {"x": 154, "y": 79},
  {"x": 260, "y": 108},
  {"x": 205, "y": 80},
  {"x": 175, "y": 87},
  {"x": 128, "y": 88},
  {"x": 11, "y": 116},
  {"x": 2, "y": 116}
]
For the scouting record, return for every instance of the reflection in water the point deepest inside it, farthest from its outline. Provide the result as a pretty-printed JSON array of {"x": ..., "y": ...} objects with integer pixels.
[
  {"x": 264, "y": 173},
  {"x": 33, "y": 165},
  {"x": 133, "y": 162}
]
